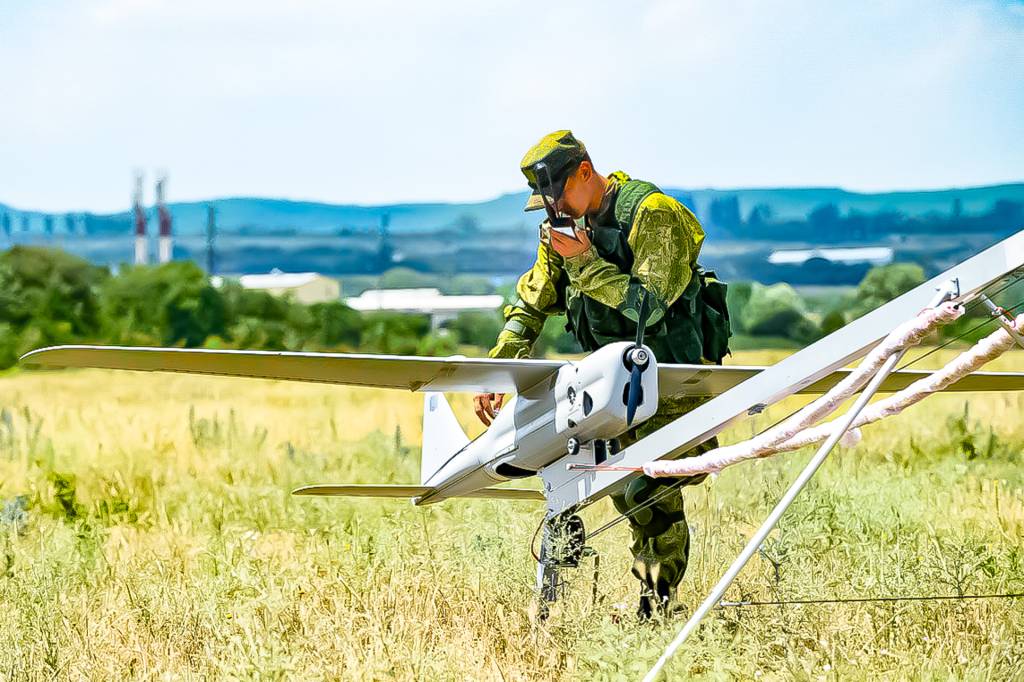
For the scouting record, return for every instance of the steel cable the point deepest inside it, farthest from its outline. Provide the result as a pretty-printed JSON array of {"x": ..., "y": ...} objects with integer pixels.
[
  {"x": 675, "y": 486},
  {"x": 861, "y": 600}
]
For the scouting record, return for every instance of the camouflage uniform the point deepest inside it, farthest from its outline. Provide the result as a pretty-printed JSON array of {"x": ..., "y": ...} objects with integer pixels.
[
  {"x": 661, "y": 536},
  {"x": 663, "y": 242}
]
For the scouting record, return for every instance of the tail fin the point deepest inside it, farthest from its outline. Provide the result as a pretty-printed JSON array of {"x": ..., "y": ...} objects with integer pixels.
[{"x": 442, "y": 435}]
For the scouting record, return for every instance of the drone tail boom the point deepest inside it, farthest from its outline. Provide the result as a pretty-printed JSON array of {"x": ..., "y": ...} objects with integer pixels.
[{"x": 412, "y": 491}]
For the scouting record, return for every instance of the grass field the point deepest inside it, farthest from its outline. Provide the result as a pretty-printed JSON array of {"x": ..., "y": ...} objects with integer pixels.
[{"x": 148, "y": 533}]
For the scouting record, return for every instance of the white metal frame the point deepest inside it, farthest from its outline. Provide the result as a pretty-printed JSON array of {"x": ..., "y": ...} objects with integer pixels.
[
  {"x": 566, "y": 489},
  {"x": 843, "y": 425}
]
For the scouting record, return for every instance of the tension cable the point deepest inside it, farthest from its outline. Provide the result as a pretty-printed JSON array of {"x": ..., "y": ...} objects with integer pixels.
[
  {"x": 861, "y": 600},
  {"x": 670, "y": 488}
]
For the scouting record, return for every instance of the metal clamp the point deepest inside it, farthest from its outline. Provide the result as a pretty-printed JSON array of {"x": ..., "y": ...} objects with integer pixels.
[{"x": 1004, "y": 320}]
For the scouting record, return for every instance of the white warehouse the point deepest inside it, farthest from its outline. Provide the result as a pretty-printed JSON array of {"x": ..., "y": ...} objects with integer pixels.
[
  {"x": 426, "y": 301},
  {"x": 303, "y": 287}
]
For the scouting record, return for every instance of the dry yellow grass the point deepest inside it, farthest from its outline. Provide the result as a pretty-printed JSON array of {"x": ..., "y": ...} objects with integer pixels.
[{"x": 160, "y": 542}]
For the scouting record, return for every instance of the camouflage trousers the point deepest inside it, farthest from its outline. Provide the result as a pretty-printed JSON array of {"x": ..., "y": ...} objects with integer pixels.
[{"x": 661, "y": 536}]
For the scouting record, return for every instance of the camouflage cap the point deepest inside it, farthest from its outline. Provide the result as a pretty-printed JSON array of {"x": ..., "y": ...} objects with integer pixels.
[{"x": 560, "y": 152}]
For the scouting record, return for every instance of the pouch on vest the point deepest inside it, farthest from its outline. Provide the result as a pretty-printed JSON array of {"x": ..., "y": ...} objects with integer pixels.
[{"x": 715, "y": 326}]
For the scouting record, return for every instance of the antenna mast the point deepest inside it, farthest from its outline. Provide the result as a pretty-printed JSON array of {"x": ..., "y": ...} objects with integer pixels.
[
  {"x": 139, "y": 213},
  {"x": 211, "y": 238},
  {"x": 166, "y": 245}
]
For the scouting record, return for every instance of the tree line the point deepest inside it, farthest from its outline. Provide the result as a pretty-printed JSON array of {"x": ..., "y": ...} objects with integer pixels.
[
  {"x": 829, "y": 224},
  {"x": 49, "y": 297}
]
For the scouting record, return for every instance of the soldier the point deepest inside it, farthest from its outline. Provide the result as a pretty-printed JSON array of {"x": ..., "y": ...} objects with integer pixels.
[{"x": 628, "y": 241}]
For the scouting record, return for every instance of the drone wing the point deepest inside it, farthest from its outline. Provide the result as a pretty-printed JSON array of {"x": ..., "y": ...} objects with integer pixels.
[
  {"x": 452, "y": 374},
  {"x": 382, "y": 371}
]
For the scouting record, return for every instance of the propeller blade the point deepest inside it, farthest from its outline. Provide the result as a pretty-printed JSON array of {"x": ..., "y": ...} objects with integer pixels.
[{"x": 633, "y": 398}]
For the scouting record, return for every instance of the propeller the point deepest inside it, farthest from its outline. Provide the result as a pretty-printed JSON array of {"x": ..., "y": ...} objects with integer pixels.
[{"x": 639, "y": 360}]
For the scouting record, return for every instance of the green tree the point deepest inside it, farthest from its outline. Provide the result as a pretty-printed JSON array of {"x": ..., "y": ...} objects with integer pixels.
[
  {"x": 406, "y": 278},
  {"x": 403, "y": 334},
  {"x": 437, "y": 345},
  {"x": 777, "y": 310},
  {"x": 476, "y": 328},
  {"x": 40, "y": 284},
  {"x": 169, "y": 304},
  {"x": 337, "y": 324},
  {"x": 834, "y": 320},
  {"x": 884, "y": 283},
  {"x": 394, "y": 333},
  {"x": 737, "y": 297},
  {"x": 259, "y": 320},
  {"x": 47, "y": 297}
]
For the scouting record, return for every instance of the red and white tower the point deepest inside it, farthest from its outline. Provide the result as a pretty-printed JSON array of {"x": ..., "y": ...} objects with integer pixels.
[
  {"x": 141, "y": 243},
  {"x": 166, "y": 245}
]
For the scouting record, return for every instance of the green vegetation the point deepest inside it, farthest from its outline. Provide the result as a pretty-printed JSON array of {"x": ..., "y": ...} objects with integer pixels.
[
  {"x": 438, "y": 244},
  {"x": 776, "y": 310},
  {"x": 769, "y": 317},
  {"x": 404, "y": 278},
  {"x": 46, "y": 297},
  {"x": 49, "y": 297},
  {"x": 147, "y": 532},
  {"x": 172, "y": 304},
  {"x": 882, "y": 284}
]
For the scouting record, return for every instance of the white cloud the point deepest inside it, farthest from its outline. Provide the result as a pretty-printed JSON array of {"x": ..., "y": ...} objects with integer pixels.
[{"x": 383, "y": 101}]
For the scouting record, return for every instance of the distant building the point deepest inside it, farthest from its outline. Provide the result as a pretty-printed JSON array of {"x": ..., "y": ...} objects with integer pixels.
[
  {"x": 303, "y": 287},
  {"x": 873, "y": 255},
  {"x": 425, "y": 301}
]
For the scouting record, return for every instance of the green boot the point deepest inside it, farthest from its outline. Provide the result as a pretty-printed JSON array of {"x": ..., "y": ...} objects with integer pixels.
[{"x": 661, "y": 541}]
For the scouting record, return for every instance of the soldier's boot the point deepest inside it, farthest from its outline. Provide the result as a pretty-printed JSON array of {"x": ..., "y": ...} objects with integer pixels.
[
  {"x": 660, "y": 566},
  {"x": 661, "y": 540}
]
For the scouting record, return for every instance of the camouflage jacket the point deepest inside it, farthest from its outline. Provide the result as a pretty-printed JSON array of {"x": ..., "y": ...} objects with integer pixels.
[{"x": 665, "y": 239}]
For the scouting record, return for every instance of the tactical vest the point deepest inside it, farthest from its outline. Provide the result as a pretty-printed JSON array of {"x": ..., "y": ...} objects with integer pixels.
[{"x": 695, "y": 327}]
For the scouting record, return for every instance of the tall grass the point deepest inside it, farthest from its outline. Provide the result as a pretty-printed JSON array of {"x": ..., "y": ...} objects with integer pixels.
[{"x": 147, "y": 532}]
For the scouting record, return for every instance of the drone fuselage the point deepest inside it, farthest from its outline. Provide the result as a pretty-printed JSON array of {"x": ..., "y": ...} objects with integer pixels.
[{"x": 584, "y": 400}]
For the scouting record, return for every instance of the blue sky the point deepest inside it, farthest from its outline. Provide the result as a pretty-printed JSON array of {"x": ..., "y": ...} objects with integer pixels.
[{"x": 387, "y": 101}]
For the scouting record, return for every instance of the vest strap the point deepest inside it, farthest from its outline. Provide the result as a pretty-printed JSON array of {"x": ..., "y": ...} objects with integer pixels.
[
  {"x": 631, "y": 195},
  {"x": 520, "y": 329}
]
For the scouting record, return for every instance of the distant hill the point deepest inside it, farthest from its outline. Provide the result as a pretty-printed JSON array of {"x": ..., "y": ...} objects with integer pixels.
[
  {"x": 796, "y": 202},
  {"x": 283, "y": 216}
]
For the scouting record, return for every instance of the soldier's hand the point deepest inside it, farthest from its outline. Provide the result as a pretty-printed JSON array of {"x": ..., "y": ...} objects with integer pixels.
[
  {"x": 567, "y": 246},
  {"x": 487, "y": 406}
]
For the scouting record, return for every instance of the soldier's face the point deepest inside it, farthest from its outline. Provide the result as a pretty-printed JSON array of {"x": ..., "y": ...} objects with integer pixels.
[{"x": 576, "y": 199}]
